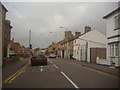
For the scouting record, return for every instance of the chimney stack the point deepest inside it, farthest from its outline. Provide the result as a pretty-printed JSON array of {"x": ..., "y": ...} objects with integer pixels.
[
  {"x": 87, "y": 29},
  {"x": 68, "y": 33},
  {"x": 77, "y": 34}
]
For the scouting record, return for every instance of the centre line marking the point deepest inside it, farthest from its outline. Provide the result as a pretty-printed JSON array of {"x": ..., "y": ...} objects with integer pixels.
[
  {"x": 41, "y": 69},
  {"x": 55, "y": 66},
  {"x": 70, "y": 80},
  {"x": 50, "y": 62}
]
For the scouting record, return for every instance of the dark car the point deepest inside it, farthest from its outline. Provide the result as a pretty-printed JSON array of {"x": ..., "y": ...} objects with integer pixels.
[
  {"x": 52, "y": 55},
  {"x": 38, "y": 58}
]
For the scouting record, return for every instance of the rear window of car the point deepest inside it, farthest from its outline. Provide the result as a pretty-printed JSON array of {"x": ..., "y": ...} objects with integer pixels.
[
  {"x": 41, "y": 53},
  {"x": 36, "y": 54},
  {"x": 52, "y": 54}
]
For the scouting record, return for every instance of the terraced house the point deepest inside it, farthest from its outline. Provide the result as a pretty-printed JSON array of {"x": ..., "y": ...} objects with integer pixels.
[
  {"x": 6, "y": 32},
  {"x": 67, "y": 44}
]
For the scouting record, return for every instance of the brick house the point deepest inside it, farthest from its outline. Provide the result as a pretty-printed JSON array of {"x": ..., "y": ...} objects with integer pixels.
[
  {"x": 6, "y": 33},
  {"x": 16, "y": 47},
  {"x": 7, "y": 37},
  {"x": 24, "y": 50},
  {"x": 53, "y": 48}
]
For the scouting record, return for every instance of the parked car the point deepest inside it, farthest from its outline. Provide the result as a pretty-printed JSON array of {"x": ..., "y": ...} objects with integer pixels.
[
  {"x": 38, "y": 58},
  {"x": 52, "y": 55}
]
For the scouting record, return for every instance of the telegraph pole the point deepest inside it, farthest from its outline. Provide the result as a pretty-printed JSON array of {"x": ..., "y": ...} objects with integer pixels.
[
  {"x": 30, "y": 45},
  {"x": 29, "y": 38}
]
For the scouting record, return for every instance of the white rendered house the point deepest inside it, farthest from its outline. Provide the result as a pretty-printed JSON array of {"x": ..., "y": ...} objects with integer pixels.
[
  {"x": 90, "y": 46},
  {"x": 113, "y": 36}
]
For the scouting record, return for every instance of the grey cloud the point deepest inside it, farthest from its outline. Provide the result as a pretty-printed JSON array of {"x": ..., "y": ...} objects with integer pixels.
[{"x": 42, "y": 18}]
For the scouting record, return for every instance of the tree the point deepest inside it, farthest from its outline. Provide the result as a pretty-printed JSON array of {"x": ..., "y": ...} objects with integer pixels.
[{"x": 36, "y": 49}]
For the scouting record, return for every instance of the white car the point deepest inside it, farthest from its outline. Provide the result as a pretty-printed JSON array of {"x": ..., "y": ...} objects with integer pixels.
[{"x": 52, "y": 55}]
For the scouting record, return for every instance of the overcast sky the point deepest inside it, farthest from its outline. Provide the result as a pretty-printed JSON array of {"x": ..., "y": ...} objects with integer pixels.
[{"x": 43, "y": 18}]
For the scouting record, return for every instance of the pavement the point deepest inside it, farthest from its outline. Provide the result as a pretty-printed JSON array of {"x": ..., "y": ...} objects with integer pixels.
[
  {"x": 12, "y": 67},
  {"x": 103, "y": 68}
]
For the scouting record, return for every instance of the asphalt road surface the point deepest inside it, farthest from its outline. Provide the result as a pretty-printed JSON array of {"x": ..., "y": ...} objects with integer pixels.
[{"x": 59, "y": 74}]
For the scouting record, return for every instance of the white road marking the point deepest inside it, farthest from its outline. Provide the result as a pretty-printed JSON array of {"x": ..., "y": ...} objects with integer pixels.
[
  {"x": 41, "y": 69},
  {"x": 70, "y": 80},
  {"x": 51, "y": 62},
  {"x": 55, "y": 66}
]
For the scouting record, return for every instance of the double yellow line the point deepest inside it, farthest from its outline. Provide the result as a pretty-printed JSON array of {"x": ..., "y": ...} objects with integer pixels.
[{"x": 12, "y": 77}]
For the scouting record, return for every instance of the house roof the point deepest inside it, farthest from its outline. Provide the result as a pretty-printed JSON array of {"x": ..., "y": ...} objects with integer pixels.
[
  {"x": 4, "y": 7},
  {"x": 113, "y": 12},
  {"x": 71, "y": 39}
]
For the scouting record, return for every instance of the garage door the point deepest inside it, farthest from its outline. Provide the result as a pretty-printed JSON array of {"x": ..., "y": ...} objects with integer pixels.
[{"x": 97, "y": 52}]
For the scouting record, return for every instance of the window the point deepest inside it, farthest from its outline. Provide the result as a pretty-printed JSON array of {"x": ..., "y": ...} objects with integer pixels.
[
  {"x": 75, "y": 41},
  {"x": 116, "y": 49},
  {"x": 117, "y": 22},
  {"x": 112, "y": 50}
]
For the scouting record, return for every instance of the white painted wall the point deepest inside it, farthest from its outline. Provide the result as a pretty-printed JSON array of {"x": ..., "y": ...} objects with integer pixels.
[
  {"x": 110, "y": 26},
  {"x": 94, "y": 39},
  {"x": 75, "y": 48},
  {"x": 103, "y": 61}
]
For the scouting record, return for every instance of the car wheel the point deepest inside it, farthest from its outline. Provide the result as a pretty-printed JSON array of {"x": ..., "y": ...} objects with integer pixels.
[
  {"x": 46, "y": 63},
  {"x": 32, "y": 64}
]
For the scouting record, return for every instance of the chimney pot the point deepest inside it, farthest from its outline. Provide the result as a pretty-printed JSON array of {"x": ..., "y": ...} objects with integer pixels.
[
  {"x": 77, "y": 34},
  {"x": 87, "y": 29}
]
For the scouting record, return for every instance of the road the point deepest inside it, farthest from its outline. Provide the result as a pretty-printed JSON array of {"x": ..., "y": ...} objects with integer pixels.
[{"x": 59, "y": 74}]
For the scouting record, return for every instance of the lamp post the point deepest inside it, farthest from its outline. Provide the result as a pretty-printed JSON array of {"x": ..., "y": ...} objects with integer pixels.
[{"x": 66, "y": 29}]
